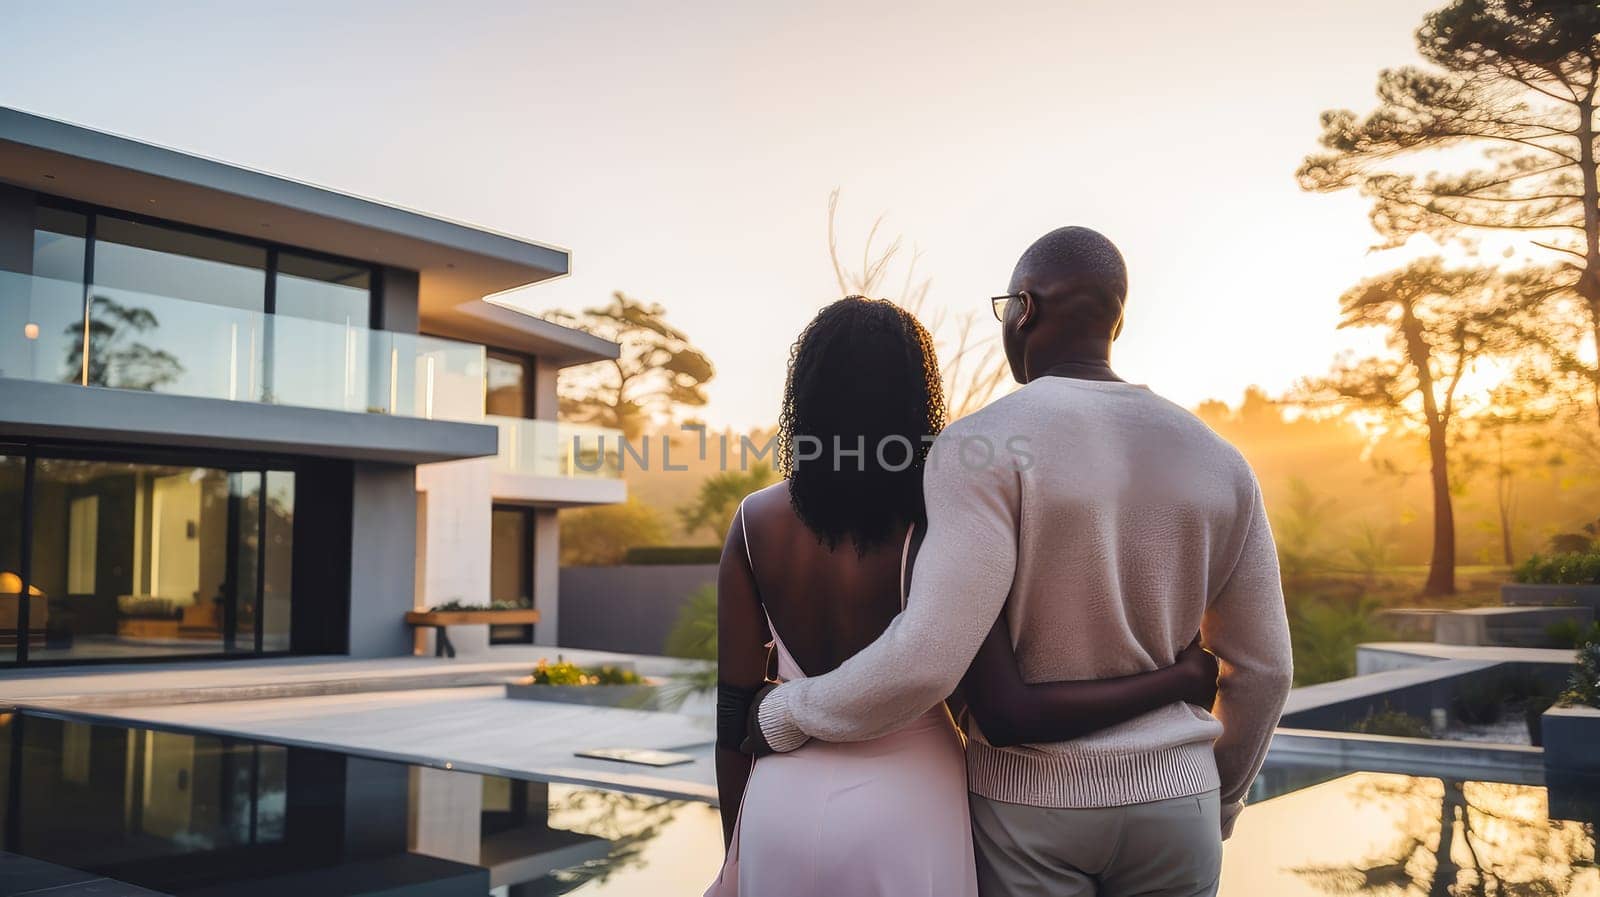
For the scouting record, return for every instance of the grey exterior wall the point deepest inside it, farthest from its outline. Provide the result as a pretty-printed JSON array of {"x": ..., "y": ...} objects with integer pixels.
[
  {"x": 547, "y": 576},
  {"x": 16, "y": 230},
  {"x": 383, "y": 558},
  {"x": 626, "y": 608},
  {"x": 398, "y": 308}
]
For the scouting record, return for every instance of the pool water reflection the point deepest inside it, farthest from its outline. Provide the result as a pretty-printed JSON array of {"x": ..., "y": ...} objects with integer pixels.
[{"x": 187, "y": 814}]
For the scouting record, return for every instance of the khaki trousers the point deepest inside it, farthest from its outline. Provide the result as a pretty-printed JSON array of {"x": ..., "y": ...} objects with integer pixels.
[{"x": 1168, "y": 848}]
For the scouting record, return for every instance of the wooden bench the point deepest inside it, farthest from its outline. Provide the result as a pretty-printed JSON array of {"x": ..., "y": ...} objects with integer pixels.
[{"x": 442, "y": 620}]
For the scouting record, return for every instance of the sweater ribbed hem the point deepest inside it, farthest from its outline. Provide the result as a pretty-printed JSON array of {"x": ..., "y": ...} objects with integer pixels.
[
  {"x": 1078, "y": 781},
  {"x": 777, "y": 723}
]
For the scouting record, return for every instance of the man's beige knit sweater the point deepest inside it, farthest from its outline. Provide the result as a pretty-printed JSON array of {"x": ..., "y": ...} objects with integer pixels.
[{"x": 1111, "y": 524}]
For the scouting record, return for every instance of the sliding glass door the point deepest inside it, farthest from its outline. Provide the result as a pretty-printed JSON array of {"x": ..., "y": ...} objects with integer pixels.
[{"x": 129, "y": 559}]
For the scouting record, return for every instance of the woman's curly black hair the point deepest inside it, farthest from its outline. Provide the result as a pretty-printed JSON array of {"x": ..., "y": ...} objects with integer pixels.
[{"x": 862, "y": 376}]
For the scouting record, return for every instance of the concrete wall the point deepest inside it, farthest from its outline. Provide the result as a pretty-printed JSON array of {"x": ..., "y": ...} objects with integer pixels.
[
  {"x": 455, "y": 558},
  {"x": 627, "y": 608},
  {"x": 398, "y": 297},
  {"x": 16, "y": 230},
  {"x": 546, "y": 403},
  {"x": 547, "y": 576},
  {"x": 383, "y": 544}
]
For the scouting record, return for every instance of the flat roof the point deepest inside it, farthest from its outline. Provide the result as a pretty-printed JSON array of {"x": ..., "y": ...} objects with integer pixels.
[{"x": 458, "y": 264}]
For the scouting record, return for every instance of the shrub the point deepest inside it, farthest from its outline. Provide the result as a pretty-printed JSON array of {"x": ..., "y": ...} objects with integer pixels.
[
  {"x": 694, "y": 634},
  {"x": 1571, "y": 569},
  {"x": 563, "y": 673},
  {"x": 1389, "y": 721},
  {"x": 457, "y": 604},
  {"x": 1325, "y": 631},
  {"x": 1584, "y": 686},
  {"x": 1571, "y": 633},
  {"x": 673, "y": 554}
]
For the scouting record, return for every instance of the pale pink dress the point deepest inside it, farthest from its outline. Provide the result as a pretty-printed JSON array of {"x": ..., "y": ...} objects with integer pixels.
[{"x": 886, "y": 817}]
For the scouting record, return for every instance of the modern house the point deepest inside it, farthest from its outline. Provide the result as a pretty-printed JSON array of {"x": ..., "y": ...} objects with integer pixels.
[{"x": 242, "y": 415}]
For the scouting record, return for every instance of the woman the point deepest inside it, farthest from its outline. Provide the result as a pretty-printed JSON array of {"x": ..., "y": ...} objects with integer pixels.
[{"x": 817, "y": 566}]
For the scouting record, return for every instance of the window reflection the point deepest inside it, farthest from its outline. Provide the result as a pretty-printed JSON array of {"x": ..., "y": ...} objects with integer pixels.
[
  {"x": 507, "y": 381},
  {"x": 336, "y": 292},
  {"x": 134, "y": 559},
  {"x": 183, "y": 813}
]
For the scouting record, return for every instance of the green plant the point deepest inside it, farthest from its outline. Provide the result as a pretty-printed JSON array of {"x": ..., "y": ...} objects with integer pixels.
[
  {"x": 1389, "y": 721},
  {"x": 673, "y": 554},
  {"x": 1571, "y": 633},
  {"x": 599, "y": 536},
  {"x": 456, "y": 604},
  {"x": 694, "y": 633},
  {"x": 564, "y": 673},
  {"x": 1325, "y": 632},
  {"x": 1572, "y": 569},
  {"x": 719, "y": 496},
  {"x": 1583, "y": 687},
  {"x": 694, "y": 637}
]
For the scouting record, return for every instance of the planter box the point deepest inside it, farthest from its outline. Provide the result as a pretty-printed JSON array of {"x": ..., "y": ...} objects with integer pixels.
[
  {"x": 1516, "y": 594},
  {"x": 1572, "y": 742},
  {"x": 1509, "y": 627},
  {"x": 517, "y": 617},
  {"x": 630, "y": 697},
  {"x": 475, "y": 641}
]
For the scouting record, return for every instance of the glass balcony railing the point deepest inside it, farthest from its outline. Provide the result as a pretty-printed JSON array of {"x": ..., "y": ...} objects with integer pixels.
[
  {"x": 548, "y": 448},
  {"x": 129, "y": 340}
]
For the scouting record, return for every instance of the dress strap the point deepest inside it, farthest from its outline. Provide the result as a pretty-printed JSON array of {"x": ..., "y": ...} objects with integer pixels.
[
  {"x": 744, "y": 533},
  {"x": 905, "y": 555}
]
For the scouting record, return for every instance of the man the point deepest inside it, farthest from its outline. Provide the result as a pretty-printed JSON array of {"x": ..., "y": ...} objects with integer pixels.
[{"x": 1110, "y": 525}]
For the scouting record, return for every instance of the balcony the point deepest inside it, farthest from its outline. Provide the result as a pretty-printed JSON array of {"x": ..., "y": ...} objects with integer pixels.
[
  {"x": 558, "y": 464},
  {"x": 166, "y": 348},
  {"x": 138, "y": 341}
]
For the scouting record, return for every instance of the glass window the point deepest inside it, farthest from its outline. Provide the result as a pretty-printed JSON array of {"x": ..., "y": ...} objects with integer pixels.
[
  {"x": 162, "y": 261},
  {"x": 336, "y": 292},
  {"x": 13, "y": 467},
  {"x": 172, "y": 311},
  {"x": 135, "y": 559},
  {"x": 58, "y": 241},
  {"x": 45, "y": 310},
  {"x": 510, "y": 567},
  {"x": 279, "y": 561},
  {"x": 508, "y": 385}
]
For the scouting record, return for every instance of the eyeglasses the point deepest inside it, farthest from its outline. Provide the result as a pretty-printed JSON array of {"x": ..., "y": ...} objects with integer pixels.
[{"x": 999, "y": 303}]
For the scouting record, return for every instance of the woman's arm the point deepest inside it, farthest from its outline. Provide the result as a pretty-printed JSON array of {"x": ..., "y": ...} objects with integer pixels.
[
  {"x": 1010, "y": 711},
  {"x": 741, "y": 666}
]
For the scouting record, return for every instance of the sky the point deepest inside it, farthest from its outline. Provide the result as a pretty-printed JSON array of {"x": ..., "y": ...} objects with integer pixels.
[{"x": 685, "y": 152}]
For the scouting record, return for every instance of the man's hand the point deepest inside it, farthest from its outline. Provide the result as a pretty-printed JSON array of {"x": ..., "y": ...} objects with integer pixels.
[
  {"x": 1199, "y": 670},
  {"x": 755, "y": 743}
]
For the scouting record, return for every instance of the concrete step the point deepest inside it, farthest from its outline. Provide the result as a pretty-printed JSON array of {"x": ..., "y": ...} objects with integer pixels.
[{"x": 1518, "y": 627}]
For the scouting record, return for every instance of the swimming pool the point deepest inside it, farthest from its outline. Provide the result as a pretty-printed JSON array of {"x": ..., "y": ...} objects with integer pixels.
[{"x": 188, "y": 814}]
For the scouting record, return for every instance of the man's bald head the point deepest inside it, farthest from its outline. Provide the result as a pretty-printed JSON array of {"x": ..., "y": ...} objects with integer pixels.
[
  {"x": 1075, "y": 260},
  {"x": 1076, "y": 284}
]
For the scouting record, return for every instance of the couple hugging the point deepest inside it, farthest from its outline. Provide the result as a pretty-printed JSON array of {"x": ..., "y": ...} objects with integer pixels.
[{"x": 1045, "y": 571}]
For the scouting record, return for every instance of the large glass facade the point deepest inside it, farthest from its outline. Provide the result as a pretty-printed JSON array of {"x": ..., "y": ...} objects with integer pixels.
[{"x": 130, "y": 559}]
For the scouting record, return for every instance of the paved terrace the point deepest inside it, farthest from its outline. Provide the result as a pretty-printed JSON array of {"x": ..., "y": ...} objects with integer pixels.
[{"x": 423, "y": 710}]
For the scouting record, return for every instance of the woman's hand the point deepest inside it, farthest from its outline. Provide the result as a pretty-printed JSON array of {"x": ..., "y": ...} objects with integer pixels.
[{"x": 1199, "y": 670}]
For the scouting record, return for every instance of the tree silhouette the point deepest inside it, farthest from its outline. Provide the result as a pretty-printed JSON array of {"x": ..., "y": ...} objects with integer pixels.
[
  {"x": 1440, "y": 321},
  {"x": 720, "y": 494},
  {"x": 116, "y": 358},
  {"x": 973, "y": 367},
  {"x": 657, "y": 373},
  {"x": 1515, "y": 101}
]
